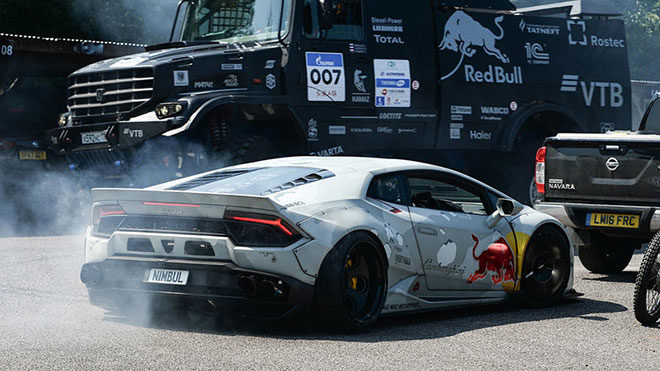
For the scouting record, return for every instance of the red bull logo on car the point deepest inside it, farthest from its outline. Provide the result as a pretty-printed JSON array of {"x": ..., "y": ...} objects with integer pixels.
[{"x": 496, "y": 259}]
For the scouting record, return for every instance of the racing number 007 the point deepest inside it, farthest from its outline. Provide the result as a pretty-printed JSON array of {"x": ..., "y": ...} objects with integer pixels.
[{"x": 316, "y": 76}]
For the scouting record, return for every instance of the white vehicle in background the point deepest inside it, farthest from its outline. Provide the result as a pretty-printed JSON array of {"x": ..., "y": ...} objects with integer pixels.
[{"x": 347, "y": 238}]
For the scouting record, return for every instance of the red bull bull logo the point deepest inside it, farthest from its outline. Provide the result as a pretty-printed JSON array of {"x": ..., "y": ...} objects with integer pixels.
[{"x": 496, "y": 259}]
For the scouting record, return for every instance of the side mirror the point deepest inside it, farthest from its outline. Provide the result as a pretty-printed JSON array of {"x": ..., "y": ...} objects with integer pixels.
[
  {"x": 327, "y": 10},
  {"x": 507, "y": 207}
]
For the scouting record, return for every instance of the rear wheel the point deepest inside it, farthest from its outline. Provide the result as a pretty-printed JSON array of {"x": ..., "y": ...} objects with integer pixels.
[
  {"x": 352, "y": 283},
  {"x": 606, "y": 255},
  {"x": 646, "y": 300},
  {"x": 546, "y": 267}
]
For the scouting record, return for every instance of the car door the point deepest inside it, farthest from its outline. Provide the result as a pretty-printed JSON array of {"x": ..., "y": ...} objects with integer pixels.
[
  {"x": 387, "y": 193},
  {"x": 459, "y": 251}
]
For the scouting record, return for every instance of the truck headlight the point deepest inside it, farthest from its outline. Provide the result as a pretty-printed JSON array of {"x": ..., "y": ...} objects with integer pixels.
[
  {"x": 64, "y": 119},
  {"x": 165, "y": 110}
]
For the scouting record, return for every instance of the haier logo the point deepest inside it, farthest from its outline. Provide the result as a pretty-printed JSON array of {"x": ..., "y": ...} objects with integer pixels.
[
  {"x": 596, "y": 92},
  {"x": 464, "y": 35},
  {"x": 577, "y": 35},
  {"x": 480, "y": 135}
]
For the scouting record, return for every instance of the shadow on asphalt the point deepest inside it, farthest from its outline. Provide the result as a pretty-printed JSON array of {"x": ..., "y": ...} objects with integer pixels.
[
  {"x": 416, "y": 326},
  {"x": 623, "y": 277}
]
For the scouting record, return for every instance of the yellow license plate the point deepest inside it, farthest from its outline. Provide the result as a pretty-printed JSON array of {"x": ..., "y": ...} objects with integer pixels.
[
  {"x": 32, "y": 154},
  {"x": 612, "y": 220}
]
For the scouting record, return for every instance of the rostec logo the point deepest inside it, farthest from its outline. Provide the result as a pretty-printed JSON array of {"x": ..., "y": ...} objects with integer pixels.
[
  {"x": 581, "y": 39},
  {"x": 463, "y": 34},
  {"x": 577, "y": 35},
  {"x": 570, "y": 83}
]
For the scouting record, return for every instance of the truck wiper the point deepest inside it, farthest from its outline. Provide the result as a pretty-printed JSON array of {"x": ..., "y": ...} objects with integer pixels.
[{"x": 180, "y": 44}]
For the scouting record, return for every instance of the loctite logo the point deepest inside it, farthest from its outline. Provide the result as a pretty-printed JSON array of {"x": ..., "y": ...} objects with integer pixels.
[{"x": 601, "y": 93}]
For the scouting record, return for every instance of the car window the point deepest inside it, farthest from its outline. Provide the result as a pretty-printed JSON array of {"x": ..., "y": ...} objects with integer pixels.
[
  {"x": 429, "y": 193},
  {"x": 387, "y": 188}
]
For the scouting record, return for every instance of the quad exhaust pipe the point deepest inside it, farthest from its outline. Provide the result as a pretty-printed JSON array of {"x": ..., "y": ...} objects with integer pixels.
[
  {"x": 261, "y": 288},
  {"x": 91, "y": 275}
]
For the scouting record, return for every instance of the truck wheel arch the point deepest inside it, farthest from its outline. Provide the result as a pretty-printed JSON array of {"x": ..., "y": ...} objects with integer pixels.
[
  {"x": 571, "y": 123},
  {"x": 229, "y": 107}
]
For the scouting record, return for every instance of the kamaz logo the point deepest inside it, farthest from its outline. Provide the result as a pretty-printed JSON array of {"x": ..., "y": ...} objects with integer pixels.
[
  {"x": 594, "y": 90},
  {"x": 99, "y": 95}
]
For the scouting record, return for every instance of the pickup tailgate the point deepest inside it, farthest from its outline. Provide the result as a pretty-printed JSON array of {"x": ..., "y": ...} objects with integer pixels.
[{"x": 612, "y": 168}]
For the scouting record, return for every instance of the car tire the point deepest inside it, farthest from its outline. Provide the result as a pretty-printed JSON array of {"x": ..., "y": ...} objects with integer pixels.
[
  {"x": 646, "y": 300},
  {"x": 352, "y": 283},
  {"x": 606, "y": 256},
  {"x": 546, "y": 267}
]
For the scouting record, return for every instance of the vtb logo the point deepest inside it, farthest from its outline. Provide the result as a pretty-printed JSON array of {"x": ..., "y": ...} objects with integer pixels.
[{"x": 593, "y": 90}]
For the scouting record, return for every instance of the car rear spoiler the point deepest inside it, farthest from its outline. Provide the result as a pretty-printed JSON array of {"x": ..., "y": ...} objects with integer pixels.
[{"x": 143, "y": 195}]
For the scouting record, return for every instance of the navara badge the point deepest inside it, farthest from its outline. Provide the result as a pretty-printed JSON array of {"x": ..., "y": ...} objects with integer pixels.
[{"x": 612, "y": 164}]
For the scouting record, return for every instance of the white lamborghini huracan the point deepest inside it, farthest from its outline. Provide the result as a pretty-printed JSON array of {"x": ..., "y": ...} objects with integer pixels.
[{"x": 347, "y": 238}]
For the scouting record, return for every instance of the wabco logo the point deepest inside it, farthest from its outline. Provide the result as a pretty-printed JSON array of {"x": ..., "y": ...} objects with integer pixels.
[
  {"x": 535, "y": 54},
  {"x": 577, "y": 35},
  {"x": 463, "y": 34},
  {"x": 595, "y": 91}
]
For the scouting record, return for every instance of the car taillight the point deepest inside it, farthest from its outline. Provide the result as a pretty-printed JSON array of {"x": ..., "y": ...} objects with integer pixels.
[
  {"x": 259, "y": 230},
  {"x": 540, "y": 170},
  {"x": 106, "y": 219}
]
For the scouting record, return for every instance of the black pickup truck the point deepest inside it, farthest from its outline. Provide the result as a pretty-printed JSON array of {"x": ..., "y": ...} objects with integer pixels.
[{"x": 606, "y": 187}]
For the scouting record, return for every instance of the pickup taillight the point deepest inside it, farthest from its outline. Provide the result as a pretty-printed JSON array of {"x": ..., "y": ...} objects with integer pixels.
[{"x": 539, "y": 178}]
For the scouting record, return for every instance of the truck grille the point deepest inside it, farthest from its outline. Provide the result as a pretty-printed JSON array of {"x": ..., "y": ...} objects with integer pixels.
[{"x": 94, "y": 97}]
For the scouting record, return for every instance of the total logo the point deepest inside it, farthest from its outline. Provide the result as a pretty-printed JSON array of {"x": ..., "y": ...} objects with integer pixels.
[
  {"x": 604, "y": 94},
  {"x": 464, "y": 35},
  {"x": 577, "y": 35}
]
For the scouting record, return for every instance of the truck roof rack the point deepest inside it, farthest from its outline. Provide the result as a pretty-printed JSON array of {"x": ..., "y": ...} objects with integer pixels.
[{"x": 573, "y": 9}]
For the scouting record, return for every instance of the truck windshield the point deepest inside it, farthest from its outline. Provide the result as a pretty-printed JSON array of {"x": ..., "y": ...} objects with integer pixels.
[{"x": 235, "y": 20}]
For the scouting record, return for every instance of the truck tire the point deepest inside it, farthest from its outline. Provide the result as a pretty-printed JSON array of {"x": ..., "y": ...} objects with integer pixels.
[
  {"x": 606, "y": 256},
  {"x": 352, "y": 283},
  {"x": 250, "y": 148}
]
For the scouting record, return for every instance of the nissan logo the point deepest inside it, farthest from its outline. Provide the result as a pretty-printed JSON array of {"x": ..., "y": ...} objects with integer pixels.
[
  {"x": 612, "y": 164},
  {"x": 99, "y": 95}
]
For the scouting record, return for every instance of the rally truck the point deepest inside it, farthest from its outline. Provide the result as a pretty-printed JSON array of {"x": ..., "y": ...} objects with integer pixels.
[
  {"x": 33, "y": 75},
  {"x": 473, "y": 85},
  {"x": 605, "y": 187}
]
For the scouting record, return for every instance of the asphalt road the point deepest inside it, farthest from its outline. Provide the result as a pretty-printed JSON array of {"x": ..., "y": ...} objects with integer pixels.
[{"x": 47, "y": 323}]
